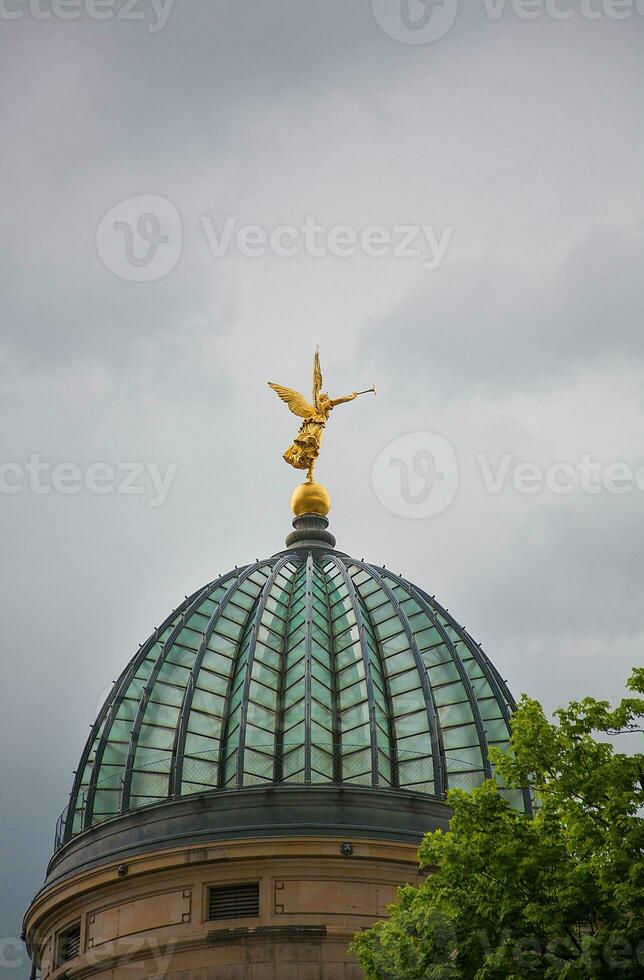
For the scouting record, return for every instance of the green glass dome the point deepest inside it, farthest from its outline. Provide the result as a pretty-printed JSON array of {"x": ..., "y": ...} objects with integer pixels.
[{"x": 308, "y": 668}]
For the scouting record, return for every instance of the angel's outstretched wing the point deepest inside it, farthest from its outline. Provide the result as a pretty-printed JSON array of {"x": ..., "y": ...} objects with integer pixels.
[{"x": 295, "y": 401}]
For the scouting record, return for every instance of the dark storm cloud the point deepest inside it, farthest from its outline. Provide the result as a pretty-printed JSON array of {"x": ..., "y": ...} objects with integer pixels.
[{"x": 484, "y": 329}]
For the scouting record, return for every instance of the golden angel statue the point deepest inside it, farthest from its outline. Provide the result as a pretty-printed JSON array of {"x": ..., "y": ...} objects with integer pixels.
[{"x": 305, "y": 449}]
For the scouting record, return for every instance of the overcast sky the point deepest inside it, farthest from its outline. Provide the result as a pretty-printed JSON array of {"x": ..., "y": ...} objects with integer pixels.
[{"x": 451, "y": 212}]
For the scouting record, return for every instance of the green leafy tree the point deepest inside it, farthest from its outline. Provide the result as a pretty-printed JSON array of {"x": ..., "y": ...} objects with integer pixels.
[{"x": 556, "y": 895}]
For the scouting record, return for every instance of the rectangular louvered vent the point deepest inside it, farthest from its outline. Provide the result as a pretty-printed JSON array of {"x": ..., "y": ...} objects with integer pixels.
[
  {"x": 69, "y": 943},
  {"x": 234, "y": 901}
]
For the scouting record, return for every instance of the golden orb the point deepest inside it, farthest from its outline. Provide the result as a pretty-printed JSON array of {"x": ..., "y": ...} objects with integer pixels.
[{"x": 311, "y": 498}]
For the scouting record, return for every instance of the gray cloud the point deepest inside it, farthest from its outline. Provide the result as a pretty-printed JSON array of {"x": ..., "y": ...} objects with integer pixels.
[{"x": 481, "y": 328}]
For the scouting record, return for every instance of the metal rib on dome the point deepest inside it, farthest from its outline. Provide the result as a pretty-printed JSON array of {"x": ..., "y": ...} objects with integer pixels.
[{"x": 306, "y": 668}]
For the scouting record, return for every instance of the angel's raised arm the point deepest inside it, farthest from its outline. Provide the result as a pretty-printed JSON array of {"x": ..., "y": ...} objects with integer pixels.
[{"x": 345, "y": 398}]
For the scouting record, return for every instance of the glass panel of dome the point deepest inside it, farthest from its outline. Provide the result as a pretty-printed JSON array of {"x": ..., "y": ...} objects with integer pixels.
[
  {"x": 147, "y": 788},
  {"x": 161, "y": 714},
  {"x": 321, "y": 676},
  {"x": 322, "y": 712},
  {"x": 356, "y": 768},
  {"x": 200, "y": 744},
  {"x": 147, "y": 756},
  {"x": 399, "y": 662},
  {"x": 427, "y": 638},
  {"x": 293, "y": 763},
  {"x": 483, "y": 688},
  {"x": 294, "y": 674},
  {"x": 345, "y": 635},
  {"x": 292, "y": 696},
  {"x": 381, "y": 709},
  {"x": 410, "y": 724},
  {"x": 120, "y": 730},
  {"x": 209, "y": 705},
  {"x": 413, "y": 746},
  {"x": 408, "y": 702},
  {"x": 449, "y": 693},
  {"x": 106, "y": 802},
  {"x": 356, "y": 737},
  {"x": 221, "y": 644},
  {"x": 171, "y": 673},
  {"x": 401, "y": 683},
  {"x": 227, "y": 627},
  {"x": 270, "y": 643},
  {"x": 295, "y": 644},
  {"x": 244, "y": 599},
  {"x": 496, "y": 730},
  {"x": 350, "y": 696},
  {"x": 294, "y": 737},
  {"x": 445, "y": 673},
  {"x": 211, "y": 681},
  {"x": 265, "y": 674},
  {"x": 115, "y": 754},
  {"x": 360, "y": 576},
  {"x": 258, "y": 766},
  {"x": 489, "y": 709},
  {"x": 455, "y": 714},
  {"x": 385, "y": 611},
  {"x": 158, "y": 738},
  {"x": 297, "y": 619},
  {"x": 383, "y": 741},
  {"x": 255, "y": 581},
  {"x": 322, "y": 657},
  {"x": 340, "y": 604},
  {"x": 389, "y": 628},
  {"x": 355, "y": 715},
  {"x": 260, "y": 716},
  {"x": 348, "y": 655},
  {"x": 393, "y": 645},
  {"x": 353, "y": 672},
  {"x": 415, "y": 770},
  {"x": 384, "y": 771},
  {"x": 230, "y": 768},
  {"x": 465, "y": 757},
  {"x": 260, "y": 692},
  {"x": 123, "y": 722},
  {"x": 321, "y": 736},
  {"x": 181, "y": 657},
  {"x": 321, "y": 769},
  {"x": 472, "y": 668},
  {"x": 189, "y": 638},
  {"x": 295, "y": 714},
  {"x": 135, "y": 687},
  {"x": 277, "y": 607},
  {"x": 373, "y": 598}
]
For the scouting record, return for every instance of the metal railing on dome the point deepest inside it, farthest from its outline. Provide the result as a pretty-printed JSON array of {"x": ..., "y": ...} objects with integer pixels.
[{"x": 414, "y": 772}]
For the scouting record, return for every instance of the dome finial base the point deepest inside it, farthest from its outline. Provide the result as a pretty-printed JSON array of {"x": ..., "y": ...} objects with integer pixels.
[{"x": 310, "y": 532}]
